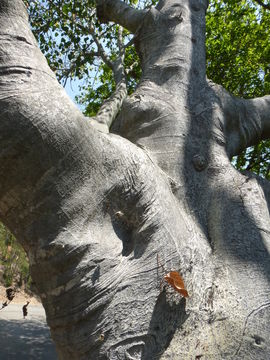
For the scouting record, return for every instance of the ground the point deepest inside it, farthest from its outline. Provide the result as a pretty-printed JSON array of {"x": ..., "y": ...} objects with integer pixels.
[{"x": 24, "y": 339}]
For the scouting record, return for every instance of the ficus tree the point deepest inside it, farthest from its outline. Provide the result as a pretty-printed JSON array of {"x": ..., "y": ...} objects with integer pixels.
[
  {"x": 237, "y": 53},
  {"x": 95, "y": 201}
]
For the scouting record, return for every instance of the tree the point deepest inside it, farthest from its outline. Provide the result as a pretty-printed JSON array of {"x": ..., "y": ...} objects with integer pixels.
[
  {"x": 94, "y": 208},
  {"x": 237, "y": 54}
]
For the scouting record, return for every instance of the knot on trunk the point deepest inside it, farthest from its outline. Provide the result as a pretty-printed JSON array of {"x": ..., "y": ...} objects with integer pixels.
[{"x": 199, "y": 162}]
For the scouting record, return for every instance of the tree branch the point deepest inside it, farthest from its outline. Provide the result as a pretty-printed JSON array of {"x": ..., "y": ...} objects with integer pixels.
[
  {"x": 101, "y": 50},
  {"x": 40, "y": 127},
  {"x": 246, "y": 121},
  {"x": 110, "y": 108},
  {"x": 120, "y": 13}
]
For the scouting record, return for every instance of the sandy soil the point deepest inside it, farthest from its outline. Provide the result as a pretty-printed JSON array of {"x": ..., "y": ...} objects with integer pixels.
[
  {"x": 25, "y": 339},
  {"x": 20, "y": 298}
]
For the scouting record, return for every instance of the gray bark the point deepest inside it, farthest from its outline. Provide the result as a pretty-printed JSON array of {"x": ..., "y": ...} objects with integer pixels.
[{"x": 93, "y": 210}]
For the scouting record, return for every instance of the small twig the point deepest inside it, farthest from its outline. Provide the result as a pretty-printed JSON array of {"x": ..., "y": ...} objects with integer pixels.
[{"x": 101, "y": 50}]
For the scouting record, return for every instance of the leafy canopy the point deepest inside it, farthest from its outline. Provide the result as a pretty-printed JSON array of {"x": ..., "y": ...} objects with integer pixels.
[{"x": 238, "y": 53}]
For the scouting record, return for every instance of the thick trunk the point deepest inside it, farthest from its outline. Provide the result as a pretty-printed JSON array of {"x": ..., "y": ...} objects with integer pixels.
[{"x": 94, "y": 210}]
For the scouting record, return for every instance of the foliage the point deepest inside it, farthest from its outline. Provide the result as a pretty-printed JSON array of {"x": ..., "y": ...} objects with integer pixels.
[
  {"x": 238, "y": 49},
  {"x": 238, "y": 53},
  {"x": 13, "y": 260},
  {"x": 62, "y": 30}
]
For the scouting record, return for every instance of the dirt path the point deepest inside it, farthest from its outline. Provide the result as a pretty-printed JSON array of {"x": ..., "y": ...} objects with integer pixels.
[{"x": 25, "y": 339}]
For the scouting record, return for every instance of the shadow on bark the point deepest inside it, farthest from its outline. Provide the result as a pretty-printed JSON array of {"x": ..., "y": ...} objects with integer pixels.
[
  {"x": 241, "y": 239},
  {"x": 124, "y": 233},
  {"x": 167, "y": 317},
  {"x": 237, "y": 234},
  {"x": 240, "y": 235}
]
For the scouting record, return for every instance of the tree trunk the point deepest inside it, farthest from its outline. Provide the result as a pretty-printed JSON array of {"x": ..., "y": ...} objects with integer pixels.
[{"x": 93, "y": 210}]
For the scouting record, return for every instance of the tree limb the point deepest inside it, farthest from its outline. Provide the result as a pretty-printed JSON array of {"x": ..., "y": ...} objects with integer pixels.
[
  {"x": 110, "y": 108},
  {"x": 120, "y": 13},
  {"x": 101, "y": 51},
  {"x": 246, "y": 121}
]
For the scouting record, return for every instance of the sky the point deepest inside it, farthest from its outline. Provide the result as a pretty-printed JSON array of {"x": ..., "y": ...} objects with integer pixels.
[{"x": 72, "y": 89}]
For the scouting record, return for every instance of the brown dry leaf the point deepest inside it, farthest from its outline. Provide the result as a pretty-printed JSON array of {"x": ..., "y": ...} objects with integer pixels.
[{"x": 175, "y": 280}]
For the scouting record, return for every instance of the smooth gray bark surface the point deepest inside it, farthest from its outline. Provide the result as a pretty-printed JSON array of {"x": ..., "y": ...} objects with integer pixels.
[{"x": 94, "y": 210}]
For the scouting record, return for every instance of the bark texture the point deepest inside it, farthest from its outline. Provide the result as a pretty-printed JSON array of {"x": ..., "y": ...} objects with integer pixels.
[{"x": 93, "y": 210}]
